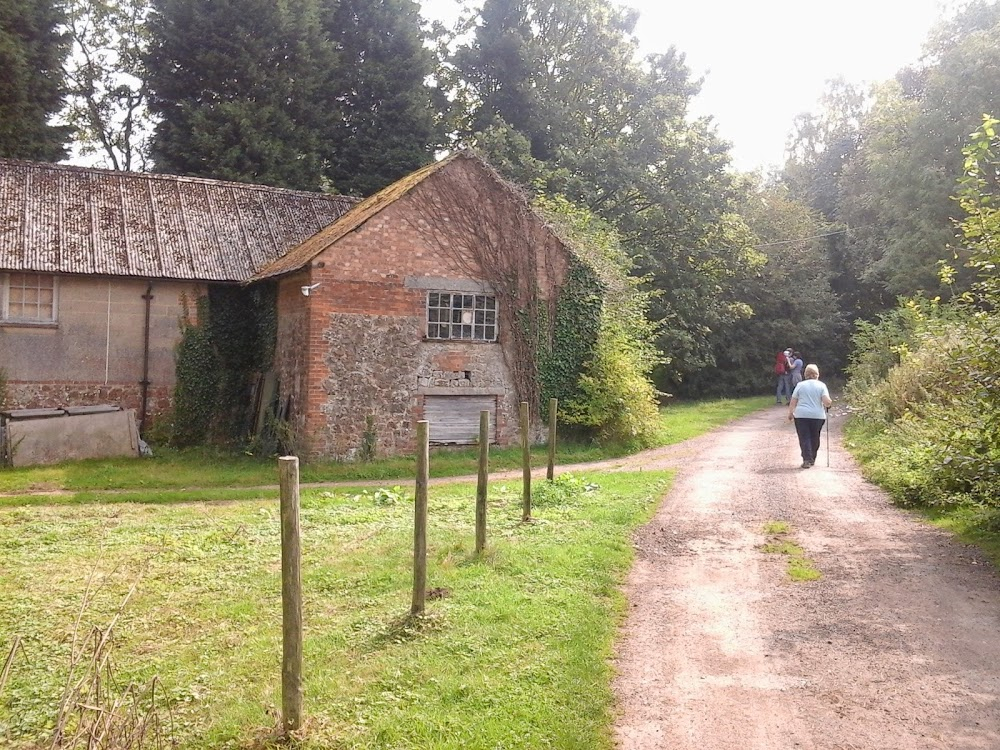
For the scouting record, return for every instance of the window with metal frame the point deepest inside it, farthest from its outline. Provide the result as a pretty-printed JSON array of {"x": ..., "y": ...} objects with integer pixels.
[
  {"x": 28, "y": 298},
  {"x": 454, "y": 315}
]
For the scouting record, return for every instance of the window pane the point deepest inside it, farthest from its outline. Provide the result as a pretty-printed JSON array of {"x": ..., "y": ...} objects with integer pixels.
[
  {"x": 461, "y": 316},
  {"x": 30, "y": 297}
]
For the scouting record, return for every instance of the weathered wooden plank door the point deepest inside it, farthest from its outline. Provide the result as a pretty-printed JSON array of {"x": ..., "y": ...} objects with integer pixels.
[{"x": 454, "y": 420}]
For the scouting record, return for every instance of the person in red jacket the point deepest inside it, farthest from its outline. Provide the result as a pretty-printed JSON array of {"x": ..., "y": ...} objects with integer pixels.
[{"x": 782, "y": 371}]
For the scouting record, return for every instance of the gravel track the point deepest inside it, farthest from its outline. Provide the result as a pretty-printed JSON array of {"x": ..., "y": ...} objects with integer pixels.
[{"x": 895, "y": 647}]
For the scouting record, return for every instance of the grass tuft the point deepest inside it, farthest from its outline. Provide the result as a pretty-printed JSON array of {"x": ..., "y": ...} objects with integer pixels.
[{"x": 780, "y": 542}]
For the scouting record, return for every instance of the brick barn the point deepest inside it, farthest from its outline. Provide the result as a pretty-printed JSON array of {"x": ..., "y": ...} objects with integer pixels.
[
  {"x": 389, "y": 310},
  {"x": 392, "y": 313}
]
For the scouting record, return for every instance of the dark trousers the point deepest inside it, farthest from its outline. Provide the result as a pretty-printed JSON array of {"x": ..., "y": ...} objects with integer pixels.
[{"x": 809, "y": 431}]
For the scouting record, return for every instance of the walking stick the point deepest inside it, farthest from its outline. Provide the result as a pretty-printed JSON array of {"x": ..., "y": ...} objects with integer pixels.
[{"x": 828, "y": 438}]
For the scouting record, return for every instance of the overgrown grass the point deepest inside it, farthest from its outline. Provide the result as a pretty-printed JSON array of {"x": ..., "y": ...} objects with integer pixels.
[
  {"x": 513, "y": 651},
  {"x": 203, "y": 468},
  {"x": 896, "y": 460}
]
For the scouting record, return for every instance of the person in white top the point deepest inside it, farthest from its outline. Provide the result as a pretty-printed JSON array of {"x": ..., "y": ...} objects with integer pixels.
[{"x": 810, "y": 401}]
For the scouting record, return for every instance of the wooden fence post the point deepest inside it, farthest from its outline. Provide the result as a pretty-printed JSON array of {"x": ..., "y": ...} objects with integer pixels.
[
  {"x": 291, "y": 595},
  {"x": 484, "y": 476},
  {"x": 420, "y": 521},
  {"x": 553, "y": 410},
  {"x": 526, "y": 462}
]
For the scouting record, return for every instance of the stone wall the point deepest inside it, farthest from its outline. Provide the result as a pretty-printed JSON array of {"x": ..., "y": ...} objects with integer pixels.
[{"x": 57, "y": 395}]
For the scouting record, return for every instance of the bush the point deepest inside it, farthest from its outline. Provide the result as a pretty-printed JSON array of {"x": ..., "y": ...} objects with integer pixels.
[
  {"x": 617, "y": 399},
  {"x": 929, "y": 424}
]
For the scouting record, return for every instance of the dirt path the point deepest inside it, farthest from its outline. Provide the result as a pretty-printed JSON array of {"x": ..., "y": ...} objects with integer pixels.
[{"x": 896, "y": 647}]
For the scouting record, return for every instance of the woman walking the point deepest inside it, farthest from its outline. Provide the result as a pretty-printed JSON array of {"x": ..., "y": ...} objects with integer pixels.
[{"x": 810, "y": 400}]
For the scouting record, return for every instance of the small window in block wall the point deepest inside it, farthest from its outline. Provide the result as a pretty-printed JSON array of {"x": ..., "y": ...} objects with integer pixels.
[
  {"x": 471, "y": 317},
  {"x": 28, "y": 298}
]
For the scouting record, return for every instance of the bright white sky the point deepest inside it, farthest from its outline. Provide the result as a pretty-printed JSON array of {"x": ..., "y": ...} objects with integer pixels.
[{"x": 765, "y": 61}]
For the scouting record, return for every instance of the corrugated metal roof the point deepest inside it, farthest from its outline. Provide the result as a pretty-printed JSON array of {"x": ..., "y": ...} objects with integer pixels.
[
  {"x": 60, "y": 219},
  {"x": 353, "y": 219}
]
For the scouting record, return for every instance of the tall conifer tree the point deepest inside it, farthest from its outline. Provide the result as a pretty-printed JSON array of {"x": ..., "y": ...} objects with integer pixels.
[
  {"x": 385, "y": 123},
  {"x": 32, "y": 50},
  {"x": 241, "y": 87}
]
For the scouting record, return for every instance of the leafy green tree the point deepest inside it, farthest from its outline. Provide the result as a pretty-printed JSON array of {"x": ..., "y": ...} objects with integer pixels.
[
  {"x": 791, "y": 298},
  {"x": 384, "y": 123},
  {"x": 558, "y": 99},
  {"x": 107, "y": 80},
  {"x": 241, "y": 89},
  {"x": 897, "y": 193},
  {"x": 825, "y": 162},
  {"x": 32, "y": 49}
]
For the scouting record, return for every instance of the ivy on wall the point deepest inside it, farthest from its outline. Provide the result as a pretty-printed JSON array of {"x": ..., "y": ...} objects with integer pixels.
[
  {"x": 197, "y": 379},
  {"x": 563, "y": 355},
  {"x": 602, "y": 352},
  {"x": 219, "y": 359}
]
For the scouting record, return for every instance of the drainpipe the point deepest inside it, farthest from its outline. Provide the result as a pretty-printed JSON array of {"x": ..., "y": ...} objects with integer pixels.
[{"x": 144, "y": 383}]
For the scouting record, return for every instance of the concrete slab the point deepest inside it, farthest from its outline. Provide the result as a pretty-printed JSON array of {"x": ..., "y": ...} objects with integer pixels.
[{"x": 68, "y": 438}]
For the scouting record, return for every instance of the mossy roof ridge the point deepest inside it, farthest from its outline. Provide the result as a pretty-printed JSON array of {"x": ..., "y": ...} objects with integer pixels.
[{"x": 353, "y": 219}]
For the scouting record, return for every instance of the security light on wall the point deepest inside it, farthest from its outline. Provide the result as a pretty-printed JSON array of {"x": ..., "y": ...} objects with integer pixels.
[{"x": 307, "y": 290}]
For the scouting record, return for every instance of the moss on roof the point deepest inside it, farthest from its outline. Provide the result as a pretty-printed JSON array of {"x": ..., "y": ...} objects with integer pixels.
[{"x": 351, "y": 220}]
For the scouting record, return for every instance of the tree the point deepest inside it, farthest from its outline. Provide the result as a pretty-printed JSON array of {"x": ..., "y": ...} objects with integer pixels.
[
  {"x": 107, "y": 86},
  {"x": 32, "y": 49},
  {"x": 241, "y": 87},
  {"x": 896, "y": 193},
  {"x": 499, "y": 66},
  {"x": 791, "y": 297},
  {"x": 384, "y": 122},
  {"x": 558, "y": 96}
]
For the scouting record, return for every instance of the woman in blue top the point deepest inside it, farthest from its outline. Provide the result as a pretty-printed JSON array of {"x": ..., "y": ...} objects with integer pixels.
[
  {"x": 796, "y": 368},
  {"x": 810, "y": 400}
]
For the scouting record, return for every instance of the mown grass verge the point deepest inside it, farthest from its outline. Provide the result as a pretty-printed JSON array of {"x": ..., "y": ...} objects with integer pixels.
[
  {"x": 513, "y": 651},
  {"x": 204, "y": 468}
]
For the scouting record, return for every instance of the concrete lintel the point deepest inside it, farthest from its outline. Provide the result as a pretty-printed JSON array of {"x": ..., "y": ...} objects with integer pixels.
[
  {"x": 441, "y": 284},
  {"x": 437, "y": 390}
]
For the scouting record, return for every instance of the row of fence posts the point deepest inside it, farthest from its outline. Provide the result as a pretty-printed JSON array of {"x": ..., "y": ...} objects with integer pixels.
[{"x": 291, "y": 546}]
